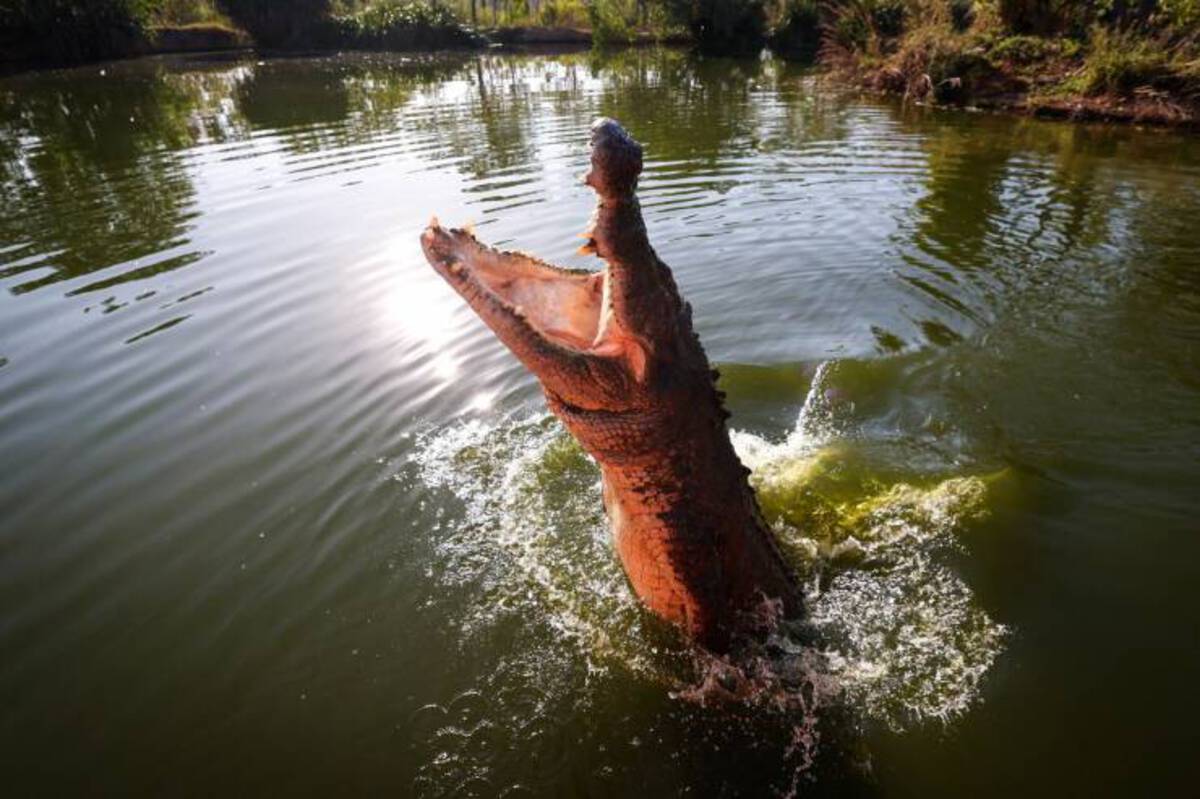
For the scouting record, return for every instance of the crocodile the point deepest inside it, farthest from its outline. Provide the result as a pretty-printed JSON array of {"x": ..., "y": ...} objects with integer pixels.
[{"x": 622, "y": 367}]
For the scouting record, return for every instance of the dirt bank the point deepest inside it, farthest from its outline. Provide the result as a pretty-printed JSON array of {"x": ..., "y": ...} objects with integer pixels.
[{"x": 1045, "y": 95}]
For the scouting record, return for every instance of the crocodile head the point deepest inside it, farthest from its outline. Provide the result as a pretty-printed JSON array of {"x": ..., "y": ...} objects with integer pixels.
[{"x": 594, "y": 339}]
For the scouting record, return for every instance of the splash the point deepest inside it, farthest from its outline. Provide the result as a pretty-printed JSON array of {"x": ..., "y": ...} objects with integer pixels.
[
  {"x": 899, "y": 630},
  {"x": 536, "y": 540},
  {"x": 892, "y": 633}
]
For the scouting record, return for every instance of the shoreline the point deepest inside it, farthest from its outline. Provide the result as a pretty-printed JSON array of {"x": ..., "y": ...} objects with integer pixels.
[
  {"x": 167, "y": 40},
  {"x": 1106, "y": 108},
  {"x": 1154, "y": 109},
  {"x": 206, "y": 38}
]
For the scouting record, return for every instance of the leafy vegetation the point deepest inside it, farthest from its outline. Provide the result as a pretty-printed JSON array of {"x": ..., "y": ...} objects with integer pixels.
[
  {"x": 1119, "y": 63},
  {"x": 888, "y": 16},
  {"x": 182, "y": 13},
  {"x": 578, "y": 14},
  {"x": 72, "y": 30},
  {"x": 278, "y": 24},
  {"x": 402, "y": 25},
  {"x": 608, "y": 23},
  {"x": 1182, "y": 13},
  {"x": 81, "y": 30},
  {"x": 567, "y": 13},
  {"x": 1120, "y": 52},
  {"x": 962, "y": 14},
  {"x": 722, "y": 26},
  {"x": 796, "y": 33}
]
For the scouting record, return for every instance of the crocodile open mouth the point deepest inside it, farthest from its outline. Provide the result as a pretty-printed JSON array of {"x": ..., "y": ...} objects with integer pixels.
[{"x": 562, "y": 306}]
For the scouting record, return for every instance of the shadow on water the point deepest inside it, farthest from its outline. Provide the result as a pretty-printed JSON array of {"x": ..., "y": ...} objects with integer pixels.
[{"x": 291, "y": 521}]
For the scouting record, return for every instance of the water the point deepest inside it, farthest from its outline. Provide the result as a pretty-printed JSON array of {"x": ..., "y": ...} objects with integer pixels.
[{"x": 280, "y": 516}]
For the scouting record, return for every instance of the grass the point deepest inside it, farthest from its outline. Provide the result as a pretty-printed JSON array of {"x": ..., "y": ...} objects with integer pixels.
[
  {"x": 1023, "y": 50},
  {"x": 1119, "y": 63}
]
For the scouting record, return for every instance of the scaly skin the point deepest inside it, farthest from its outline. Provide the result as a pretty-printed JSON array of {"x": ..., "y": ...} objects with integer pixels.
[{"x": 622, "y": 367}]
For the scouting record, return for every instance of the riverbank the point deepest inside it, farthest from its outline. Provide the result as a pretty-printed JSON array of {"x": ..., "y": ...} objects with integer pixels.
[
  {"x": 1032, "y": 57},
  {"x": 21, "y": 56},
  {"x": 220, "y": 38},
  {"x": 213, "y": 38},
  {"x": 50, "y": 33},
  {"x": 1143, "y": 70},
  {"x": 1041, "y": 89}
]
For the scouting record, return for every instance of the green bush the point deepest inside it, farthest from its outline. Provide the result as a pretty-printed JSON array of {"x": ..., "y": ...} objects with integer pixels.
[
  {"x": 1035, "y": 17},
  {"x": 563, "y": 12},
  {"x": 950, "y": 59},
  {"x": 184, "y": 12},
  {"x": 1182, "y": 14},
  {"x": 273, "y": 23},
  {"x": 888, "y": 16},
  {"x": 1023, "y": 49},
  {"x": 609, "y": 26},
  {"x": 379, "y": 24},
  {"x": 852, "y": 29},
  {"x": 1074, "y": 18},
  {"x": 402, "y": 25},
  {"x": 962, "y": 14},
  {"x": 1054, "y": 17},
  {"x": 859, "y": 24},
  {"x": 797, "y": 33},
  {"x": 1119, "y": 62},
  {"x": 722, "y": 26},
  {"x": 78, "y": 30}
]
